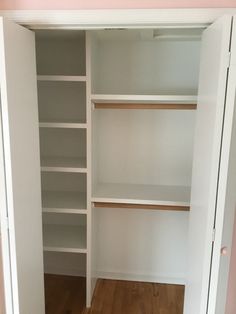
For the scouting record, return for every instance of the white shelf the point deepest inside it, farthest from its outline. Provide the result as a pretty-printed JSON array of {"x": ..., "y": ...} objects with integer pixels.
[
  {"x": 64, "y": 238},
  {"x": 63, "y": 164},
  {"x": 65, "y": 78},
  {"x": 61, "y": 124},
  {"x": 64, "y": 202},
  {"x": 149, "y": 99},
  {"x": 142, "y": 194}
]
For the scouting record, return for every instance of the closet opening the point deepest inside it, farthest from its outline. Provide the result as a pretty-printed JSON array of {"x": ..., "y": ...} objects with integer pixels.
[{"x": 117, "y": 113}]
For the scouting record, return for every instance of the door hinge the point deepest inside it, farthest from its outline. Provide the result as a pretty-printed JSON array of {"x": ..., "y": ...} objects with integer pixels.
[
  {"x": 229, "y": 59},
  {"x": 213, "y": 235}
]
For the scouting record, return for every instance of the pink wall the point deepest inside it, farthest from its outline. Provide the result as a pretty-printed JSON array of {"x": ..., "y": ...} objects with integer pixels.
[
  {"x": 231, "y": 297},
  {"x": 111, "y": 4}
]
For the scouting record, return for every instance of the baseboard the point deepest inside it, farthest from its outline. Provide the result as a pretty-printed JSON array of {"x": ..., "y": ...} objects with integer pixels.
[{"x": 141, "y": 277}]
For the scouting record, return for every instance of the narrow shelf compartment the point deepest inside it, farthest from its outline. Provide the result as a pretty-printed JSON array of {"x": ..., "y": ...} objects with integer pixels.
[
  {"x": 64, "y": 192},
  {"x": 62, "y": 102},
  {"x": 64, "y": 202},
  {"x": 63, "y": 149},
  {"x": 171, "y": 102},
  {"x": 62, "y": 78},
  {"x": 142, "y": 196},
  {"x": 64, "y": 164},
  {"x": 64, "y": 238},
  {"x": 60, "y": 52}
]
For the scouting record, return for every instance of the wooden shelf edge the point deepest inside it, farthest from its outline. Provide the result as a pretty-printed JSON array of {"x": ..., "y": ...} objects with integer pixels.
[
  {"x": 123, "y": 105},
  {"x": 140, "y": 206}
]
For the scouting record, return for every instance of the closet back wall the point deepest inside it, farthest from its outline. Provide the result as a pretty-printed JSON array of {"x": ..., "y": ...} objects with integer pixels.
[{"x": 108, "y": 4}]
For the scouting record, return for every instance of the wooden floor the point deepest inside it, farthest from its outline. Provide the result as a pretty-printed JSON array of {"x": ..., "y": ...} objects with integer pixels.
[{"x": 66, "y": 295}]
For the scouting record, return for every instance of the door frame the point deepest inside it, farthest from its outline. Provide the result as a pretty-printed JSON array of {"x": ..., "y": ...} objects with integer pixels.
[{"x": 115, "y": 18}]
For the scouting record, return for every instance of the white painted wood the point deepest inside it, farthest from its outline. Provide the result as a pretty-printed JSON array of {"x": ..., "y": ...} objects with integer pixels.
[
  {"x": 146, "y": 66},
  {"x": 226, "y": 200},
  {"x": 65, "y": 211},
  {"x": 172, "y": 99},
  {"x": 68, "y": 125},
  {"x": 135, "y": 18},
  {"x": 142, "y": 194},
  {"x": 66, "y": 164},
  {"x": 63, "y": 78},
  {"x": 8, "y": 298},
  {"x": 141, "y": 244},
  {"x": 67, "y": 200},
  {"x": 208, "y": 136},
  {"x": 89, "y": 279},
  {"x": 22, "y": 166},
  {"x": 64, "y": 238},
  {"x": 146, "y": 147}
]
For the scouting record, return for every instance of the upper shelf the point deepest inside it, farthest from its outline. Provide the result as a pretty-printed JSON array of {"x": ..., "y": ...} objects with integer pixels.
[
  {"x": 64, "y": 164},
  {"x": 142, "y": 196},
  {"x": 64, "y": 78},
  {"x": 175, "y": 102}
]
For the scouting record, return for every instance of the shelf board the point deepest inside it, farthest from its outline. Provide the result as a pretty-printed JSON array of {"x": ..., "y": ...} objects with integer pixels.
[
  {"x": 63, "y": 164},
  {"x": 64, "y": 238},
  {"x": 60, "y": 124},
  {"x": 174, "y": 102},
  {"x": 65, "y": 78},
  {"x": 64, "y": 202},
  {"x": 142, "y": 196},
  {"x": 140, "y": 206}
]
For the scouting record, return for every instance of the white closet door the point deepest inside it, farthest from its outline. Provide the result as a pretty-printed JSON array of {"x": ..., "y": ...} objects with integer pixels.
[
  {"x": 20, "y": 190},
  {"x": 207, "y": 156},
  {"x": 227, "y": 197}
]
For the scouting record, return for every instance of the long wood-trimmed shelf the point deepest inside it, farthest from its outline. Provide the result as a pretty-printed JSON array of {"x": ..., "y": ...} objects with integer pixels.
[
  {"x": 65, "y": 78},
  {"x": 63, "y": 164},
  {"x": 174, "y": 102},
  {"x": 64, "y": 202},
  {"x": 142, "y": 196},
  {"x": 64, "y": 238}
]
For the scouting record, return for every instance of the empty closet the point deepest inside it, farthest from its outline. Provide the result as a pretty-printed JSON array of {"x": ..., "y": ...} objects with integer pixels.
[{"x": 116, "y": 150}]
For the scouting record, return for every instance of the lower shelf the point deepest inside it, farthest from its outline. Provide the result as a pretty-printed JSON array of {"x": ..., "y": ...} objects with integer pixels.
[{"x": 64, "y": 238}]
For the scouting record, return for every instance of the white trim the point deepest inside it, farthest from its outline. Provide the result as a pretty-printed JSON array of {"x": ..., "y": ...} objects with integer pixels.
[
  {"x": 112, "y": 18},
  {"x": 167, "y": 278}
]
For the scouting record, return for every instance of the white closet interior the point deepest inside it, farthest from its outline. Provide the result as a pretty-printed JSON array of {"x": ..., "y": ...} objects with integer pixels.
[{"x": 125, "y": 214}]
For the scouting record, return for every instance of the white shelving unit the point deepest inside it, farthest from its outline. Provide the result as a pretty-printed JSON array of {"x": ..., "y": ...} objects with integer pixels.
[
  {"x": 63, "y": 86},
  {"x": 64, "y": 238}
]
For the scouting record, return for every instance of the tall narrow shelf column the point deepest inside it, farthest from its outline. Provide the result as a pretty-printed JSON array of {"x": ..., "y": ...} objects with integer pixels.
[{"x": 64, "y": 121}]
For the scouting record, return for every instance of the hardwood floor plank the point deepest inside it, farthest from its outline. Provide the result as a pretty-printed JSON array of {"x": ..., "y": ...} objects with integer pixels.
[{"x": 67, "y": 295}]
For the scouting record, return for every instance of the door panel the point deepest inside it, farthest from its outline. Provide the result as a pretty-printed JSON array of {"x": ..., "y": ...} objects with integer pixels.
[
  {"x": 207, "y": 150},
  {"x": 226, "y": 201},
  {"x": 21, "y": 166}
]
